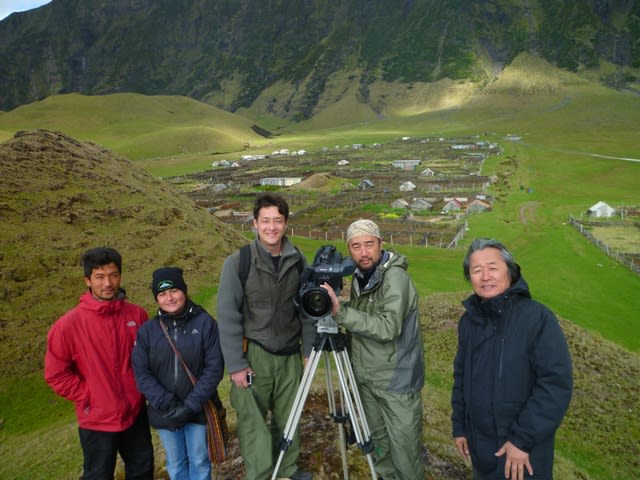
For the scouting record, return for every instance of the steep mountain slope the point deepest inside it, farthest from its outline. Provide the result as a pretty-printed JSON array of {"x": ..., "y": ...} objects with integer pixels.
[
  {"x": 229, "y": 52},
  {"x": 60, "y": 197}
]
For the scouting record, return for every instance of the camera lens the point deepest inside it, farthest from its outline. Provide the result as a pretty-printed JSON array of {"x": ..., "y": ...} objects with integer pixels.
[{"x": 316, "y": 302}]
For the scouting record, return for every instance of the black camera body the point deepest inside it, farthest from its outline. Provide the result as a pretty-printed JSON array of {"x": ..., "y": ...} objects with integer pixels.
[{"x": 314, "y": 301}]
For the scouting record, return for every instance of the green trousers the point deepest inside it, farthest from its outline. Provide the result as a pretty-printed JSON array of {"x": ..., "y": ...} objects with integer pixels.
[
  {"x": 275, "y": 384},
  {"x": 395, "y": 421}
]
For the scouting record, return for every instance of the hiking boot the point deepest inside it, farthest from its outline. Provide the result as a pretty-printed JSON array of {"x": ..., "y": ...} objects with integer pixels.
[{"x": 298, "y": 475}]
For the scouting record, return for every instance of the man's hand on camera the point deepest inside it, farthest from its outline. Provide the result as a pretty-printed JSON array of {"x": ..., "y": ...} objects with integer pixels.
[{"x": 334, "y": 298}]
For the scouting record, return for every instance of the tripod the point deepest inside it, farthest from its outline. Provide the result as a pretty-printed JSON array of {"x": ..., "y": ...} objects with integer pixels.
[{"x": 329, "y": 340}]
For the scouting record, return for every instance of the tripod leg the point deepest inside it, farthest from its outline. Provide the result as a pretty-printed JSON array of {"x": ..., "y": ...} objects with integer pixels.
[
  {"x": 298, "y": 404},
  {"x": 356, "y": 394},
  {"x": 354, "y": 405},
  {"x": 336, "y": 415}
]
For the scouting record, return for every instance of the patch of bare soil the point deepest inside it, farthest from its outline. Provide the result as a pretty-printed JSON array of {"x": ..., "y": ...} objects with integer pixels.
[
  {"x": 527, "y": 212},
  {"x": 320, "y": 452}
]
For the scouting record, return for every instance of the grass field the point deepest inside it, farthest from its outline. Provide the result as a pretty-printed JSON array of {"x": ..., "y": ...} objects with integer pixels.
[{"x": 554, "y": 163}]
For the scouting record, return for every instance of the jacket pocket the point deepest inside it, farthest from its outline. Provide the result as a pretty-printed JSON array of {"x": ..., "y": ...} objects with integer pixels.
[{"x": 506, "y": 415}]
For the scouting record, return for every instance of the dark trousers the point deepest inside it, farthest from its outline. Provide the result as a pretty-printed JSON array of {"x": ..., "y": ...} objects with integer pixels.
[{"x": 133, "y": 444}]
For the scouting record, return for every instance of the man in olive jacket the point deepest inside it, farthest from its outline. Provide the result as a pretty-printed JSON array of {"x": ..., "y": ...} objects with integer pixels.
[
  {"x": 261, "y": 336},
  {"x": 386, "y": 351}
]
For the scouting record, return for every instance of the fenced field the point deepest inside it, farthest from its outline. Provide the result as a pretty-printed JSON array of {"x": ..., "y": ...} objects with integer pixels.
[{"x": 618, "y": 239}]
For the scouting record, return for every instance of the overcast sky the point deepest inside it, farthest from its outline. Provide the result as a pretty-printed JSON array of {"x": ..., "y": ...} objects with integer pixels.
[{"x": 9, "y": 6}]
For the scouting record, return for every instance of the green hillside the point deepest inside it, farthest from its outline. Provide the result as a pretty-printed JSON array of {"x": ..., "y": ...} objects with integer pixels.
[{"x": 137, "y": 126}]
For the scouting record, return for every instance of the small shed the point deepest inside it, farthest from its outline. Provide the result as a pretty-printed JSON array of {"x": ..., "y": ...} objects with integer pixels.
[
  {"x": 421, "y": 204},
  {"x": 407, "y": 186},
  {"x": 601, "y": 210},
  {"x": 366, "y": 184},
  {"x": 400, "y": 203}
]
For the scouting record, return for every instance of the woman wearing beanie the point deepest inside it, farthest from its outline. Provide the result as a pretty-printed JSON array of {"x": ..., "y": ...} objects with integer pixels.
[{"x": 175, "y": 403}]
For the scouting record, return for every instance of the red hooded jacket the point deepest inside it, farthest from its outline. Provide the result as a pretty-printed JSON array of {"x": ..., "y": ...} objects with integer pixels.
[{"x": 88, "y": 361}]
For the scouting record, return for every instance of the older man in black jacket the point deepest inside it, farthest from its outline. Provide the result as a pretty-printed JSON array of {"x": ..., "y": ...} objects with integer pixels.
[{"x": 512, "y": 372}]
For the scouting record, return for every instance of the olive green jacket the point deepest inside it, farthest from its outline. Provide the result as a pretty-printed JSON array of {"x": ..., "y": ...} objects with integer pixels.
[
  {"x": 384, "y": 328},
  {"x": 263, "y": 311}
]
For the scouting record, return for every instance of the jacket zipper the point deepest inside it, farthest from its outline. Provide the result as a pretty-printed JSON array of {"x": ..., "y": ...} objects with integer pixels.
[
  {"x": 175, "y": 357},
  {"x": 500, "y": 369}
]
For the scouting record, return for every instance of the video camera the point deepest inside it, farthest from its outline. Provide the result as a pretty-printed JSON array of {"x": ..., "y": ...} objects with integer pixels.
[{"x": 314, "y": 301}]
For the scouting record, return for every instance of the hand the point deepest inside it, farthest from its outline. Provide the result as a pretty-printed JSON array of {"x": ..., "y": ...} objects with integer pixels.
[
  {"x": 239, "y": 378},
  {"x": 180, "y": 414},
  {"x": 335, "y": 303},
  {"x": 171, "y": 405},
  {"x": 516, "y": 461},
  {"x": 463, "y": 447}
]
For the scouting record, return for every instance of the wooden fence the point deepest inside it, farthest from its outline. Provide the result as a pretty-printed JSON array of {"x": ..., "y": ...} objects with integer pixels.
[
  {"x": 624, "y": 258},
  {"x": 339, "y": 236}
]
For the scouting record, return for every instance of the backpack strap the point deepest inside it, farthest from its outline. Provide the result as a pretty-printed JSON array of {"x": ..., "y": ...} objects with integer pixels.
[
  {"x": 299, "y": 263},
  {"x": 245, "y": 263}
]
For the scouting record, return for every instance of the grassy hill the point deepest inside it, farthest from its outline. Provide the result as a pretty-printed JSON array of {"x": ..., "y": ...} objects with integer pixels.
[
  {"x": 60, "y": 196},
  {"x": 137, "y": 126}
]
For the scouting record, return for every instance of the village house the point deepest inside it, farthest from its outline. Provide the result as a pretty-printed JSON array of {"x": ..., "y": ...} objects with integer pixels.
[
  {"x": 428, "y": 172},
  {"x": 222, "y": 164},
  {"x": 477, "y": 205},
  {"x": 366, "y": 184},
  {"x": 463, "y": 146},
  {"x": 452, "y": 205},
  {"x": 283, "y": 151},
  {"x": 407, "y": 186},
  {"x": 249, "y": 158},
  {"x": 421, "y": 204},
  {"x": 406, "y": 164},
  {"x": 400, "y": 203},
  {"x": 280, "y": 181}
]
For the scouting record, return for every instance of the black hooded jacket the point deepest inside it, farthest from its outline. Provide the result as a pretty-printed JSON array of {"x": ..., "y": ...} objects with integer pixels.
[
  {"x": 512, "y": 380},
  {"x": 159, "y": 374}
]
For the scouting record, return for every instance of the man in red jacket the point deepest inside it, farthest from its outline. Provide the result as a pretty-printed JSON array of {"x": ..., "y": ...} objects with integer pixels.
[{"x": 88, "y": 361}]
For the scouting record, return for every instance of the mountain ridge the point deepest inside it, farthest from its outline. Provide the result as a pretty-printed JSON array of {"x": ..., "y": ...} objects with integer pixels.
[{"x": 229, "y": 53}]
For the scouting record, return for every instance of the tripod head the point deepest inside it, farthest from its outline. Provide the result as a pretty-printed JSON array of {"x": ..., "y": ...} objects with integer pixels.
[{"x": 327, "y": 324}]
